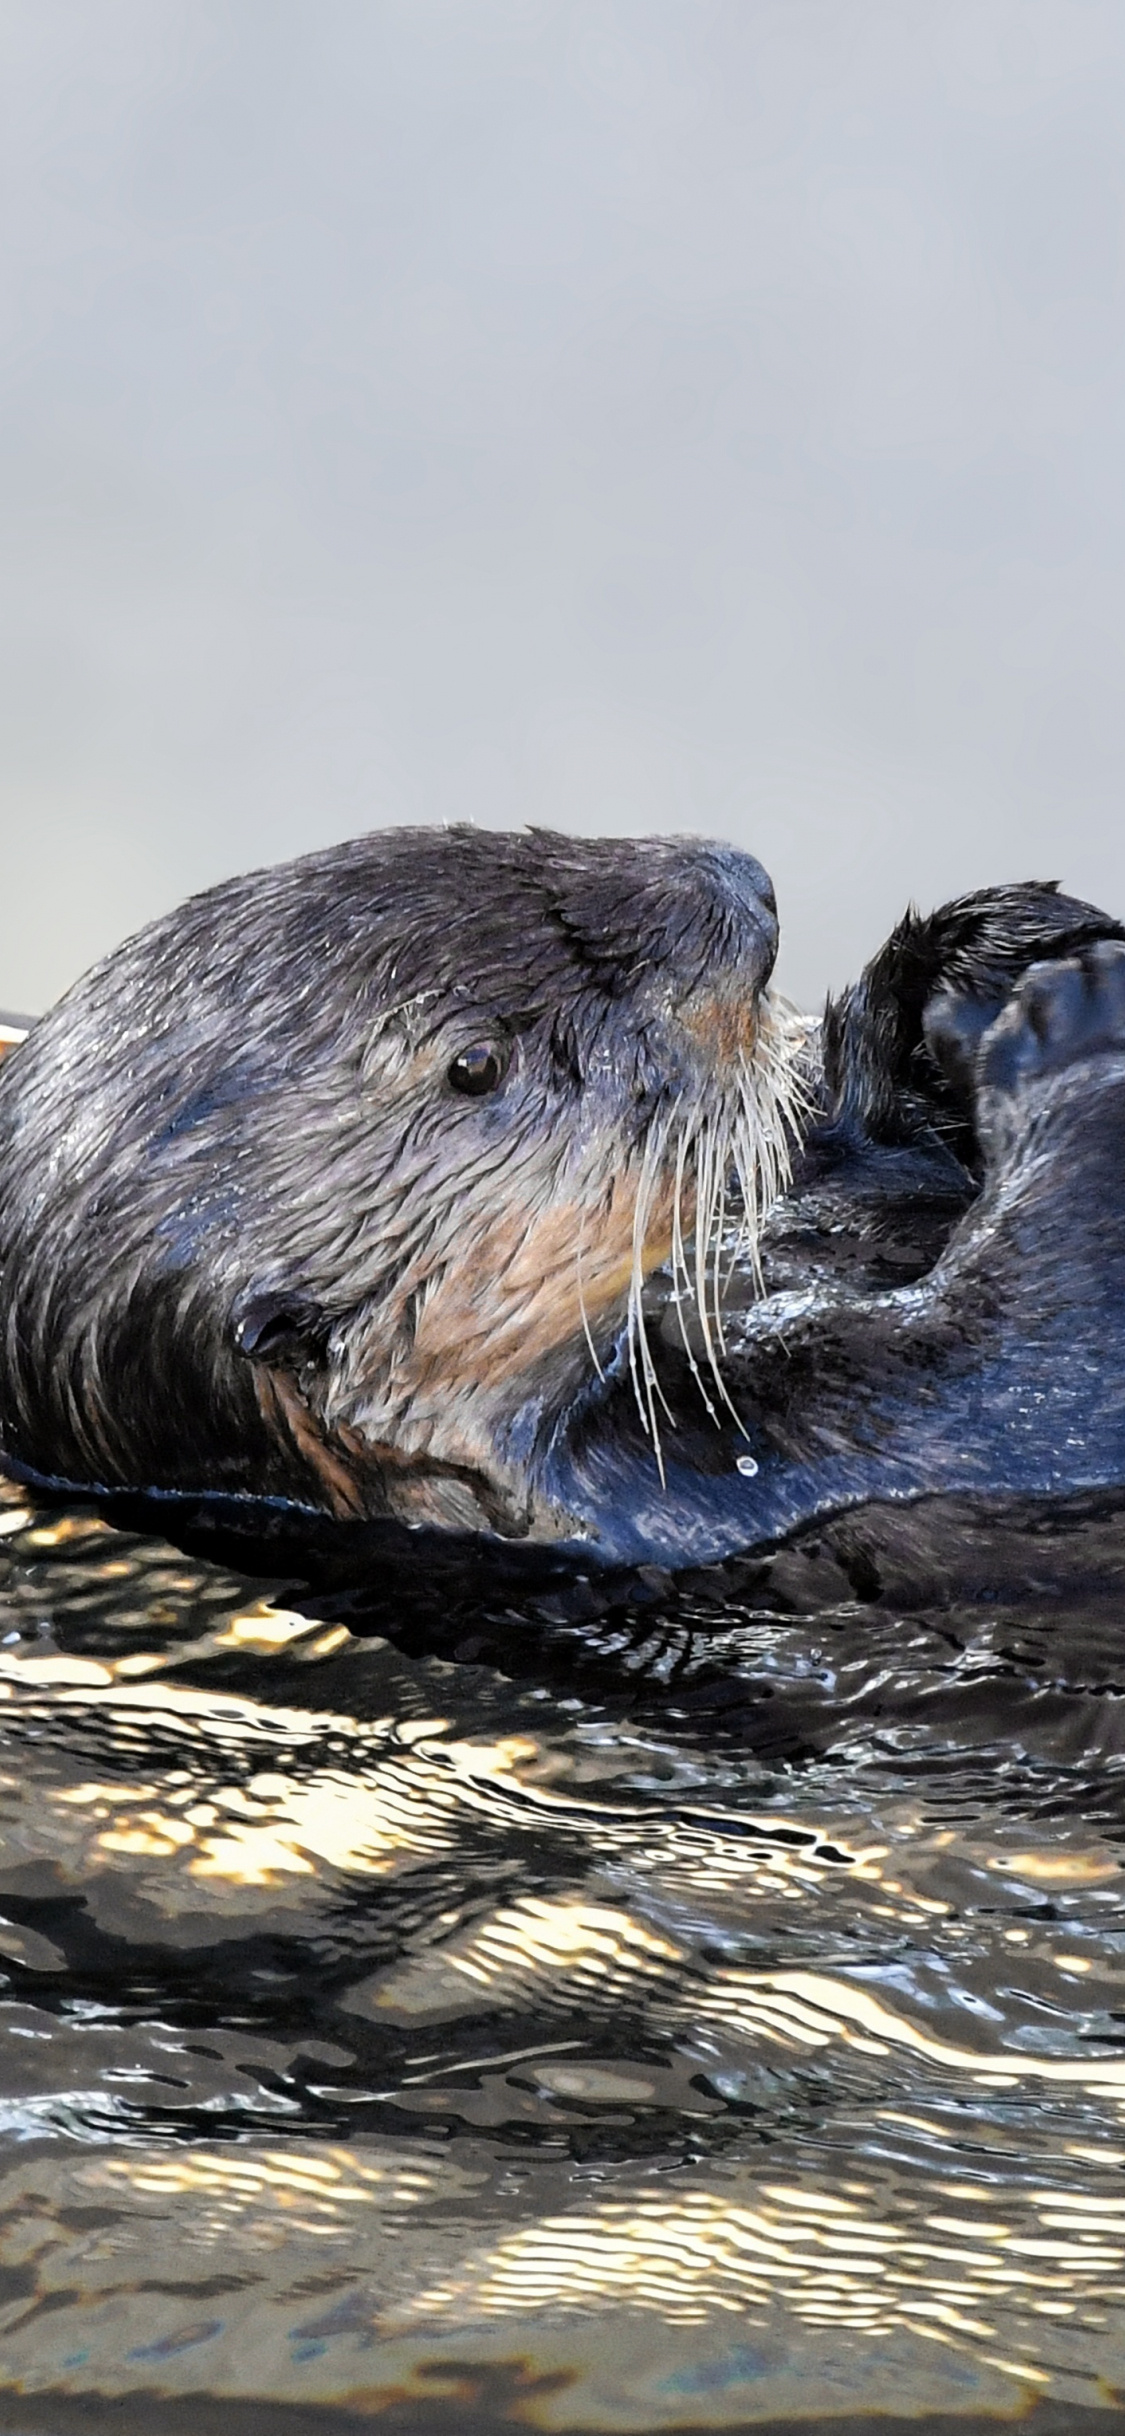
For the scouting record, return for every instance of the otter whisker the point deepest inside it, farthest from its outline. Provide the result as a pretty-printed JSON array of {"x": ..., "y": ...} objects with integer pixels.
[
  {"x": 713, "y": 1158},
  {"x": 748, "y": 1128},
  {"x": 723, "y": 1170},
  {"x": 773, "y": 1103},
  {"x": 681, "y": 1278},
  {"x": 742, "y": 1129},
  {"x": 704, "y": 1223},
  {"x": 590, "y": 1345},
  {"x": 641, "y": 1365}
]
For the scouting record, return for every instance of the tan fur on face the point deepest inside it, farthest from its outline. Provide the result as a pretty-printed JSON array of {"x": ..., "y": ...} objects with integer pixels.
[
  {"x": 512, "y": 1305},
  {"x": 725, "y": 1023},
  {"x": 520, "y": 1293},
  {"x": 529, "y": 1258}
]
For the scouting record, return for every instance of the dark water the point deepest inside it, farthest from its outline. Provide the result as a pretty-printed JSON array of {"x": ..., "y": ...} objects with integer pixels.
[{"x": 698, "y": 2015}]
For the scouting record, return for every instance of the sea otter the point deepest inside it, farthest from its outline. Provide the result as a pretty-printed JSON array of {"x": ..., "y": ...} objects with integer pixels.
[{"x": 476, "y": 1182}]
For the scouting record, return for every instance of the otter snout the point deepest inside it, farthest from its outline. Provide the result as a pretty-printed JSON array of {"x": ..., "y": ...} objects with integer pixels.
[
  {"x": 746, "y": 916},
  {"x": 707, "y": 917},
  {"x": 726, "y": 952}
]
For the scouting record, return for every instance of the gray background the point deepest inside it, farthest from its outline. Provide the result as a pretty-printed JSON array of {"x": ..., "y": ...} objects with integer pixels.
[{"x": 676, "y": 414}]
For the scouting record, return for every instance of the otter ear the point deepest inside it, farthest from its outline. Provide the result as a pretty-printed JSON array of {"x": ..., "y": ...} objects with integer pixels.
[
  {"x": 285, "y": 1339},
  {"x": 281, "y": 1328}
]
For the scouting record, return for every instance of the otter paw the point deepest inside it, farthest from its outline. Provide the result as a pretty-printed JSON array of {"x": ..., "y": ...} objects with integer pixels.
[{"x": 1058, "y": 1015}]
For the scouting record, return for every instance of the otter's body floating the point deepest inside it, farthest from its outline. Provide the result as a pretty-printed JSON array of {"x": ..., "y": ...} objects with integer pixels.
[{"x": 395, "y": 1183}]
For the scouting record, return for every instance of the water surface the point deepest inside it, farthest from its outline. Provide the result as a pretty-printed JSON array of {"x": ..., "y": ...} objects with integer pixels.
[{"x": 693, "y": 2014}]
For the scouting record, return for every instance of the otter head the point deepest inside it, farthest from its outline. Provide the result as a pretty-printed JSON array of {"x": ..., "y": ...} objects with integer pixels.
[{"x": 340, "y": 1183}]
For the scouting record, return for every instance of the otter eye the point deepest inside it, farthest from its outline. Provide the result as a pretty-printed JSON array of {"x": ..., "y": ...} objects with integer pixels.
[{"x": 477, "y": 1070}]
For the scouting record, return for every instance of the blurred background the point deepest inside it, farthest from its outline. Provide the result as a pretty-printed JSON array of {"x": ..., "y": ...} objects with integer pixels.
[{"x": 620, "y": 414}]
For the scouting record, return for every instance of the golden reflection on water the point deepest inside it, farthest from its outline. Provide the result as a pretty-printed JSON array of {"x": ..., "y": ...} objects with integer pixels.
[
  {"x": 254, "y": 2196},
  {"x": 543, "y": 1949},
  {"x": 364, "y": 1817},
  {"x": 829, "y": 2258},
  {"x": 802, "y": 2008},
  {"x": 401, "y": 1794}
]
